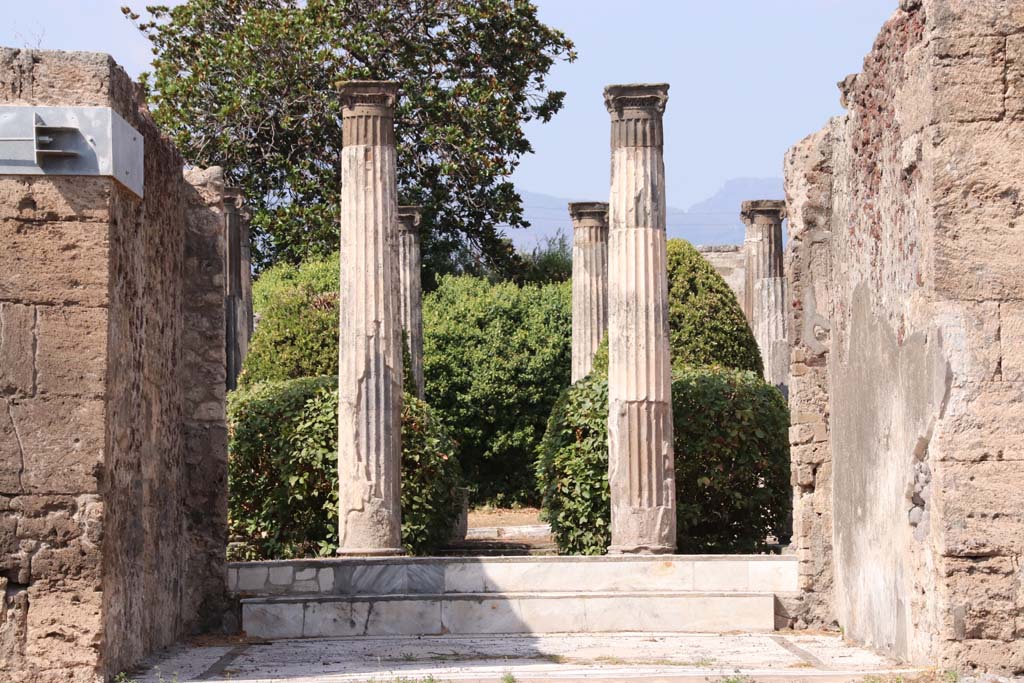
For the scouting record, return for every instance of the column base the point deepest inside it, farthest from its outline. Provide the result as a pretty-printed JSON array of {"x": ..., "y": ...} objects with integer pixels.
[
  {"x": 370, "y": 552},
  {"x": 641, "y": 549}
]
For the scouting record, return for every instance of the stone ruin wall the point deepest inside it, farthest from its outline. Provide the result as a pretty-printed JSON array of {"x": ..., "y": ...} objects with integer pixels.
[
  {"x": 112, "y": 427},
  {"x": 908, "y": 348},
  {"x": 727, "y": 260}
]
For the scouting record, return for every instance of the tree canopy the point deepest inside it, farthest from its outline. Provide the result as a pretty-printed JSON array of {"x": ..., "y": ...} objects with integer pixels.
[{"x": 250, "y": 85}]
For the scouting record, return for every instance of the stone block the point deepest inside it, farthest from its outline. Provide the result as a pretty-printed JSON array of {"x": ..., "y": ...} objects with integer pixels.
[
  {"x": 810, "y": 454},
  {"x": 1015, "y": 77},
  {"x": 378, "y": 579},
  {"x": 252, "y": 578},
  {"x": 732, "y": 575},
  {"x": 980, "y": 507},
  {"x": 475, "y": 615},
  {"x": 326, "y": 580},
  {"x": 62, "y": 625},
  {"x": 541, "y": 615},
  {"x": 37, "y": 199},
  {"x": 272, "y": 619},
  {"x": 62, "y": 441},
  {"x": 54, "y": 262},
  {"x": 773, "y": 576},
  {"x": 968, "y": 78},
  {"x": 335, "y": 619},
  {"x": 425, "y": 578},
  {"x": 305, "y": 574},
  {"x": 79, "y": 561},
  {"x": 981, "y": 655},
  {"x": 71, "y": 350},
  {"x": 55, "y": 529},
  {"x": 282, "y": 575},
  {"x": 17, "y": 349},
  {"x": 801, "y": 434},
  {"x": 681, "y": 613},
  {"x": 977, "y": 18},
  {"x": 1011, "y": 316},
  {"x": 976, "y": 181},
  {"x": 55, "y": 78},
  {"x": 983, "y": 597},
  {"x": 11, "y": 459},
  {"x": 406, "y": 618},
  {"x": 983, "y": 422},
  {"x": 465, "y": 577}
]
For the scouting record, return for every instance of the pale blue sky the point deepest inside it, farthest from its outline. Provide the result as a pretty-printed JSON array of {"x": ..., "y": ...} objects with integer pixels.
[{"x": 748, "y": 77}]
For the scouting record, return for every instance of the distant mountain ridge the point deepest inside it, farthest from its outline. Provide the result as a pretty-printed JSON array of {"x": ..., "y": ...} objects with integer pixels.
[{"x": 715, "y": 220}]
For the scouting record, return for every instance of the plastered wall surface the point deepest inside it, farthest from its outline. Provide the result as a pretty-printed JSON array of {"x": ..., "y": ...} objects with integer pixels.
[
  {"x": 112, "y": 437},
  {"x": 906, "y": 292},
  {"x": 727, "y": 259}
]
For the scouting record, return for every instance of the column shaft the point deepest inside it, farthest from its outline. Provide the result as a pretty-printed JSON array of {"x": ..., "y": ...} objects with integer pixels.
[
  {"x": 411, "y": 290},
  {"x": 765, "y": 292},
  {"x": 370, "y": 350},
  {"x": 640, "y": 459},
  {"x": 589, "y": 283}
]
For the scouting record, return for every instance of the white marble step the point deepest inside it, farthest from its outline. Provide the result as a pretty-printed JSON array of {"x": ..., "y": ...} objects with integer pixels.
[
  {"x": 444, "y": 575},
  {"x": 508, "y": 613}
]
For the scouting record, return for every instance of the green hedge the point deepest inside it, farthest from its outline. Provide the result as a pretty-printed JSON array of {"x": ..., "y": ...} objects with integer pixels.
[
  {"x": 283, "y": 478},
  {"x": 297, "y": 334},
  {"x": 731, "y": 460},
  {"x": 496, "y": 357}
]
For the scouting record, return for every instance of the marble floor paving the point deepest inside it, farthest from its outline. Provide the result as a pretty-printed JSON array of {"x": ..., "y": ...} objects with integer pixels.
[{"x": 647, "y": 657}]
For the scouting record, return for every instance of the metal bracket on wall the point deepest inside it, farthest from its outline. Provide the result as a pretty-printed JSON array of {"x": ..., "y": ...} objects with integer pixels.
[{"x": 71, "y": 141}]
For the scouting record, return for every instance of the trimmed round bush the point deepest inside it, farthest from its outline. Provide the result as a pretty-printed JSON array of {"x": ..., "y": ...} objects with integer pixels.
[
  {"x": 731, "y": 461},
  {"x": 297, "y": 334},
  {"x": 283, "y": 472},
  {"x": 706, "y": 323},
  {"x": 496, "y": 357}
]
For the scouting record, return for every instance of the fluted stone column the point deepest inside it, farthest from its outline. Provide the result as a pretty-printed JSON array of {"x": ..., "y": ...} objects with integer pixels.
[
  {"x": 369, "y": 343},
  {"x": 765, "y": 292},
  {"x": 411, "y": 289},
  {"x": 640, "y": 465},
  {"x": 589, "y": 283}
]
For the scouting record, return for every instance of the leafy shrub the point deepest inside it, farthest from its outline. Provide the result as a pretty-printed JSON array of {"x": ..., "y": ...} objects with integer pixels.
[
  {"x": 731, "y": 461},
  {"x": 706, "y": 323},
  {"x": 283, "y": 476},
  {"x": 572, "y": 468},
  {"x": 297, "y": 334},
  {"x": 496, "y": 357}
]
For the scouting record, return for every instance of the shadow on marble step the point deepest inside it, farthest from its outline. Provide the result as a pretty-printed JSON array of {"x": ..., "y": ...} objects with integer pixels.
[
  {"x": 759, "y": 573},
  {"x": 513, "y": 613}
]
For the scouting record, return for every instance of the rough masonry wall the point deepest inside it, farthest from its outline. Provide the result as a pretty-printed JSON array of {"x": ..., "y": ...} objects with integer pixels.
[
  {"x": 110, "y": 507},
  {"x": 918, "y": 201},
  {"x": 808, "y": 189}
]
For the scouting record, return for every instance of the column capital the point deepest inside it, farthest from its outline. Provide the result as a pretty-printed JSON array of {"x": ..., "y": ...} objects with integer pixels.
[
  {"x": 643, "y": 96},
  {"x": 367, "y": 94},
  {"x": 409, "y": 217},
  {"x": 636, "y": 111},
  {"x": 595, "y": 211},
  {"x": 773, "y": 210},
  {"x": 367, "y": 112}
]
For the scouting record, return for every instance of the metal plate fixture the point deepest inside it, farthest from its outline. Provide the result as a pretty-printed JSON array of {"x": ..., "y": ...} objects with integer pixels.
[{"x": 71, "y": 141}]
